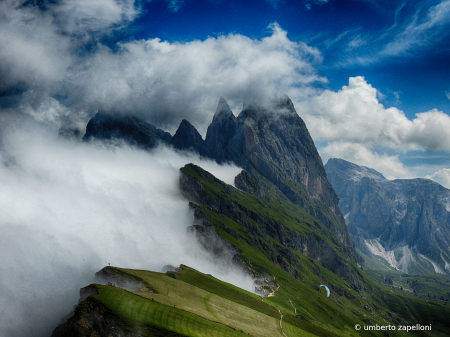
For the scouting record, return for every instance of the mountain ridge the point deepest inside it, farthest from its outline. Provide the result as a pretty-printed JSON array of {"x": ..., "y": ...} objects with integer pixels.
[
  {"x": 405, "y": 221},
  {"x": 281, "y": 224}
]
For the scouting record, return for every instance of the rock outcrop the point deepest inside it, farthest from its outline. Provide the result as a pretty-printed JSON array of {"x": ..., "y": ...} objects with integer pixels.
[
  {"x": 405, "y": 221},
  {"x": 219, "y": 133},
  {"x": 270, "y": 142},
  {"x": 133, "y": 130},
  {"x": 274, "y": 143},
  {"x": 92, "y": 318},
  {"x": 267, "y": 233},
  {"x": 187, "y": 137}
]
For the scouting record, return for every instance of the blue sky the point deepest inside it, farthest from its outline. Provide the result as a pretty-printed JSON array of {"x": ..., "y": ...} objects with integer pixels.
[{"x": 371, "y": 79}]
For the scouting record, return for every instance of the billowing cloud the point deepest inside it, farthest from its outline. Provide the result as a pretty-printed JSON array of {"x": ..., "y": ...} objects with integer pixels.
[
  {"x": 82, "y": 16},
  {"x": 354, "y": 114},
  {"x": 159, "y": 80},
  {"x": 169, "y": 81},
  {"x": 389, "y": 165},
  {"x": 32, "y": 50},
  {"x": 69, "y": 209},
  {"x": 442, "y": 177}
]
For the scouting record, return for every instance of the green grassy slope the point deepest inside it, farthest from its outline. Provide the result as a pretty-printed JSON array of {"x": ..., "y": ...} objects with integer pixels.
[
  {"x": 187, "y": 302},
  {"x": 144, "y": 316},
  {"x": 190, "y": 310},
  {"x": 348, "y": 305}
]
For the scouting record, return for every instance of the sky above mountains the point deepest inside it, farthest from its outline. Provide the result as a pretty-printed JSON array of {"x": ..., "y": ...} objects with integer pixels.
[{"x": 371, "y": 79}]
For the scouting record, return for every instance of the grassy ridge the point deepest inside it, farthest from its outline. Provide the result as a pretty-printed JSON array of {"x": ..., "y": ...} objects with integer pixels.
[
  {"x": 190, "y": 303},
  {"x": 142, "y": 315},
  {"x": 336, "y": 315},
  {"x": 216, "y": 306}
]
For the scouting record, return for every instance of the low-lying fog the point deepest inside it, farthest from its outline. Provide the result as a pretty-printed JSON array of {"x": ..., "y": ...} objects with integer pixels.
[{"x": 69, "y": 208}]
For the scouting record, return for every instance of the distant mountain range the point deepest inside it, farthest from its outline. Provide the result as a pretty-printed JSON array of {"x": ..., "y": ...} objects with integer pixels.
[{"x": 404, "y": 221}]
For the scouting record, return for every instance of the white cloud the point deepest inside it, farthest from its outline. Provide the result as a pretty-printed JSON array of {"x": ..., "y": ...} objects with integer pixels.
[
  {"x": 69, "y": 209},
  {"x": 31, "y": 48},
  {"x": 38, "y": 48},
  {"x": 447, "y": 93},
  {"x": 410, "y": 34},
  {"x": 354, "y": 114},
  {"x": 166, "y": 82},
  {"x": 43, "y": 109},
  {"x": 159, "y": 80},
  {"x": 442, "y": 177},
  {"x": 389, "y": 166},
  {"x": 82, "y": 16}
]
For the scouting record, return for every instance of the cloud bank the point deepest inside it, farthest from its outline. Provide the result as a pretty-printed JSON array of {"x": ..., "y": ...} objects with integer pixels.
[
  {"x": 355, "y": 126},
  {"x": 74, "y": 74},
  {"x": 56, "y": 57},
  {"x": 442, "y": 177},
  {"x": 69, "y": 209},
  {"x": 354, "y": 114}
]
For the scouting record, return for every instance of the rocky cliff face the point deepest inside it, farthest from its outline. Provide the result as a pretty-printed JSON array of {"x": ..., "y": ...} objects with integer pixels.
[
  {"x": 273, "y": 235},
  {"x": 274, "y": 143},
  {"x": 133, "y": 130},
  {"x": 405, "y": 221},
  {"x": 92, "y": 318},
  {"x": 270, "y": 142},
  {"x": 187, "y": 137},
  {"x": 219, "y": 133}
]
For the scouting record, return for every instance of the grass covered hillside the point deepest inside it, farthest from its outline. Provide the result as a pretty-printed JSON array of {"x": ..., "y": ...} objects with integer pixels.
[
  {"x": 275, "y": 237},
  {"x": 189, "y": 303},
  {"x": 290, "y": 254}
]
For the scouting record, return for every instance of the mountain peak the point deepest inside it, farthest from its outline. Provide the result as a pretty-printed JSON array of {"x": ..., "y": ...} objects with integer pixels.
[
  {"x": 284, "y": 103},
  {"x": 356, "y": 171},
  {"x": 187, "y": 137},
  {"x": 223, "y": 109}
]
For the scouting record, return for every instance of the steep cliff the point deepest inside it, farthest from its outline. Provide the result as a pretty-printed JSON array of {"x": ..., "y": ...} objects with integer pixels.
[
  {"x": 270, "y": 142},
  {"x": 219, "y": 133},
  {"x": 405, "y": 221},
  {"x": 273, "y": 142},
  {"x": 279, "y": 228}
]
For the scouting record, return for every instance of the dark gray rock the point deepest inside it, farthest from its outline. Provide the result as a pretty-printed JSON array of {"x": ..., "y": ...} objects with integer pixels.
[
  {"x": 133, "y": 130},
  {"x": 219, "y": 133},
  {"x": 408, "y": 216},
  {"x": 274, "y": 143},
  {"x": 187, "y": 137}
]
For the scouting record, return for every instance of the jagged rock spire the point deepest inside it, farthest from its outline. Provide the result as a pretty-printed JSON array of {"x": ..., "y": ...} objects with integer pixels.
[
  {"x": 223, "y": 109},
  {"x": 187, "y": 137},
  {"x": 219, "y": 133}
]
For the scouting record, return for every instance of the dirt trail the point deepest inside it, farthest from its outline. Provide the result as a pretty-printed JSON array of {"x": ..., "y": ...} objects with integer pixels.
[
  {"x": 272, "y": 294},
  {"x": 295, "y": 309},
  {"x": 281, "y": 320}
]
